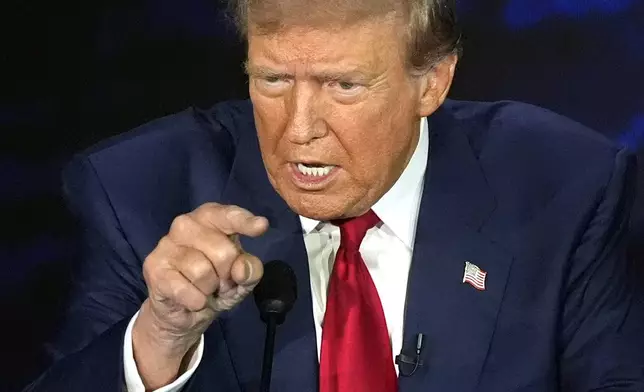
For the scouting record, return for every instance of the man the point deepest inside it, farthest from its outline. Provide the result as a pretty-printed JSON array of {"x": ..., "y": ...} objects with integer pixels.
[{"x": 490, "y": 233}]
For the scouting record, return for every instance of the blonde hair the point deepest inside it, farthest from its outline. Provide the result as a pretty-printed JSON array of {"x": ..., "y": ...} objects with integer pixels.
[{"x": 432, "y": 29}]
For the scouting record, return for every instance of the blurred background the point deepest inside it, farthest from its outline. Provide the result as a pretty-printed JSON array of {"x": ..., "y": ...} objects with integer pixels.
[{"x": 72, "y": 73}]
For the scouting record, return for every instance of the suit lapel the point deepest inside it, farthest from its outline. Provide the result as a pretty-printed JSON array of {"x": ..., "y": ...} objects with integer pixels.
[
  {"x": 457, "y": 320},
  {"x": 295, "y": 365}
]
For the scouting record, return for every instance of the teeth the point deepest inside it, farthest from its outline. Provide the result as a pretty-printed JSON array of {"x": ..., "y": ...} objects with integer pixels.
[{"x": 314, "y": 171}]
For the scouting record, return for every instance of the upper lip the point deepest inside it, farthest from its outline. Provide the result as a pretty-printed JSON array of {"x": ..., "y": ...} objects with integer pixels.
[{"x": 313, "y": 162}]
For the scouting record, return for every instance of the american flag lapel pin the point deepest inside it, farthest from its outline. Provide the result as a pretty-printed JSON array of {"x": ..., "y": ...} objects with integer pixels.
[{"x": 474, "y": 276}]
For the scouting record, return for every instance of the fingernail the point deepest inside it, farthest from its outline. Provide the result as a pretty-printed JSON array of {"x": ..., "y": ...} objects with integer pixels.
[{"x": 248, "y": 269}]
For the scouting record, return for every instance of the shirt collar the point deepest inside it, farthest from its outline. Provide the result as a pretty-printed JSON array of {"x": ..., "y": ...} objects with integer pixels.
[{"x": 398, "y": 208}]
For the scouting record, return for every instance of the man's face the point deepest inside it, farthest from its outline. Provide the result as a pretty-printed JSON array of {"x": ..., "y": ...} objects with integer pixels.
[{"x": 337, "y": 114}]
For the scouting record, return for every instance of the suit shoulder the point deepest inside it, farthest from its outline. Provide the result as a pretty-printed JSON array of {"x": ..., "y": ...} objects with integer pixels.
[
  {"x": 529, "y": 129},
  {"x": 529, "y": 154},
  {"x": 183, "y": 156},
  {"x": 225, "y": 121}
]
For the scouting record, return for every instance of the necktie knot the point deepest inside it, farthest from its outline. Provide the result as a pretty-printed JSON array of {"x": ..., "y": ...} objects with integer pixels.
[{"x": 353, "y": 230}]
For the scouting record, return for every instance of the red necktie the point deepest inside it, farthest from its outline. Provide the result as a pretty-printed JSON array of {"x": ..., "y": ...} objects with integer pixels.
[{"x": 356, "y": 351}]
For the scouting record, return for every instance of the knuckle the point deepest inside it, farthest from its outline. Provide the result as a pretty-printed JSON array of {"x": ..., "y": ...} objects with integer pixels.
[
  {"x": 208, "y": 206},
  {"x": 197, "y": 270},
  {"x": 235, "y": 212},
  {"x": 151, "y": 265},
  {"x": 158, "y": 257},
  {"x": 209, "y": 211},
  {"x": 179, "y": 291},
  {"x": 148, "y": 272},
  {"x": 181, "y": 224},
  {"x": 225, "y": 252},
  {"x": 164, "y": 246}
]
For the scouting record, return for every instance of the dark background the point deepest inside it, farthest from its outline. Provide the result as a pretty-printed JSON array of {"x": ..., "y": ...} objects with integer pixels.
[{"x": 73, "y": 73}]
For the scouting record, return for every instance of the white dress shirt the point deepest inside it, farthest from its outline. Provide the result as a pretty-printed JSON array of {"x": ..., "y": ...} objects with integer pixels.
[{"x": 386, "y": 250}]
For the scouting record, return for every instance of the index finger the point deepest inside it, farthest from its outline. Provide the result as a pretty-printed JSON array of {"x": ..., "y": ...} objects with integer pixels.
[{"x": 230, "y": 219}]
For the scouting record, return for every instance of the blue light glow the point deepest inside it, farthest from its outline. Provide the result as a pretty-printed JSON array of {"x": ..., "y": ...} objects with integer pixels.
[
  {"x": 633, "y": 136},
  {"x": 526, "y": 13}
]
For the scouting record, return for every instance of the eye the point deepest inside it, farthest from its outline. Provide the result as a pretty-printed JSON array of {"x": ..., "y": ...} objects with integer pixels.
[
  {"x": 346, "y": 88},
  {"x": 346, "y": 85},
  {"x": 272, "y": 85},
  {"x": 272, "y": 79}
]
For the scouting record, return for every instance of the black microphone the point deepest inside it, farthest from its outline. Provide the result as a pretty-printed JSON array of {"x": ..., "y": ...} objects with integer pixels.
[
  {"x": 274, "y": 296},
  {"x": 413, "y": 362}
]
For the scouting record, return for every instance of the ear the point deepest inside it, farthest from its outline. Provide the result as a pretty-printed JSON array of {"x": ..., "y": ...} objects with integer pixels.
[{"x": 435, "y": 85}]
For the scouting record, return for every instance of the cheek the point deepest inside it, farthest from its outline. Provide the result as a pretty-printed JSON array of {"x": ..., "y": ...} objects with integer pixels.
[
  {"x": 270, "y": 119},
  {"x": 365, "y": 149},
  {"x": 374, "y": 139}
]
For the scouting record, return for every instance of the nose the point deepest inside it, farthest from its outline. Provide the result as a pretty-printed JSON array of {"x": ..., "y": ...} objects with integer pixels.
[{"x": 304, "y": 123}]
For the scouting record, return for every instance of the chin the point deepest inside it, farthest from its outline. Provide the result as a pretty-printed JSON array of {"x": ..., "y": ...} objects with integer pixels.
[
  {"x": 335, "y": 202},
  {"x": 317, "y": 206}
]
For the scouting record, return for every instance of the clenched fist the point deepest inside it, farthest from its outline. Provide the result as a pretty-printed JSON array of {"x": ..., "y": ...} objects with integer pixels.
[{"x": 196, "y": 271}]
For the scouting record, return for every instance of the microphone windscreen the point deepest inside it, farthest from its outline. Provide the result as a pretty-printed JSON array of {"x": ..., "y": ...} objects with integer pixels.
[{"x": 277, "y": 290}]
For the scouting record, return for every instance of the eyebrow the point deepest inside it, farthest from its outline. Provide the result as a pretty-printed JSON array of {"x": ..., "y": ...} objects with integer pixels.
[
  {"x": 324, "y": 76},
  {"x": 261, "y": 71},
  {"x": 332, "y": 76}
]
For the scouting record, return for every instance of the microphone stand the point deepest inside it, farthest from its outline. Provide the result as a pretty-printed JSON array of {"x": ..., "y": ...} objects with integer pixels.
[
  {"x": 269, "y": 347},
  {"x": 274, "y": 296}
]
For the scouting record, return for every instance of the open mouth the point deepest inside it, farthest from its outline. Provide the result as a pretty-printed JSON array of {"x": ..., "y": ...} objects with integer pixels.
[
  {"x": 316, "y": 170},
  {"x": 313, "y": 176}
]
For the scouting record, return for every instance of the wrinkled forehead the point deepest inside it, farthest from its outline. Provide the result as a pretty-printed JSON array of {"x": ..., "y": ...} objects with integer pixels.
[
  {"x": 363, "y": 49},
  {"x": 269, "y": 16}
]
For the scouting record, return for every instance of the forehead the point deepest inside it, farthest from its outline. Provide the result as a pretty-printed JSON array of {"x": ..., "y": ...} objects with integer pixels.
[{"x": 371, "y": 44}]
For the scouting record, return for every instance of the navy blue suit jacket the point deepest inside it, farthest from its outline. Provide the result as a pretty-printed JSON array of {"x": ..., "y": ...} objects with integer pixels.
[{"x": 536, "y": 200}]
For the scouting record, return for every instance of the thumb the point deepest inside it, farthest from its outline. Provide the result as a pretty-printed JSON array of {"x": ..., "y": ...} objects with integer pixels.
[{"x": 247, "y": 270}]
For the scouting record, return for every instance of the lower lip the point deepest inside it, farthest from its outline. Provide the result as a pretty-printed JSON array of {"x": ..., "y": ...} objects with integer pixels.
[{"x": 310, "y": 182}]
